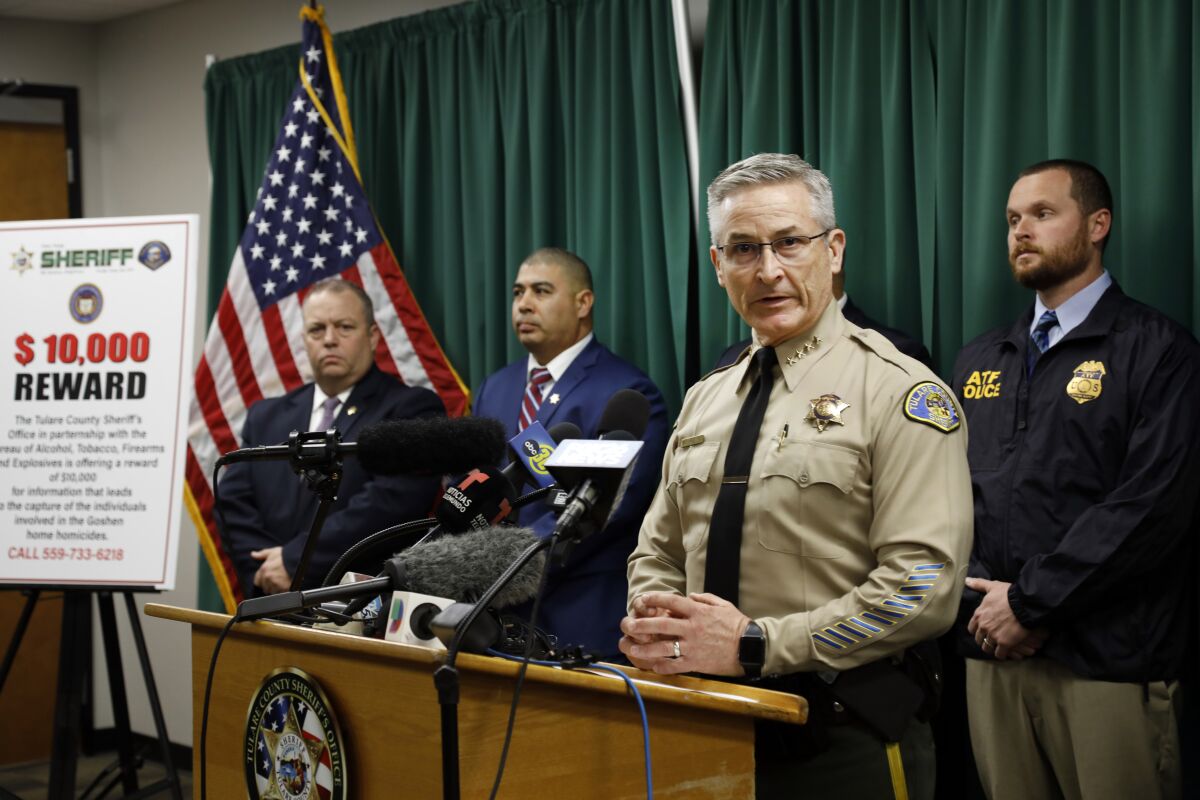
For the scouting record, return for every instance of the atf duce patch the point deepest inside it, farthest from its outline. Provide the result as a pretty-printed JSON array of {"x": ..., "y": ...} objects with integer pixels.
[{"x": 293, "y": 748}]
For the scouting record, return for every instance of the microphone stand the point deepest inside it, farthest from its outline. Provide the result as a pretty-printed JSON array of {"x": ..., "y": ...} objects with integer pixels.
[
  {"x": 445, "y": 678},
  {"x": 321, "y": 470},
  {"x": 274, "y": 605}
]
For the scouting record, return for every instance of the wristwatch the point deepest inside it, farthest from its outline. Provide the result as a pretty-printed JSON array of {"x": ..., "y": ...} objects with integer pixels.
[{"x": 752, "y": 650}]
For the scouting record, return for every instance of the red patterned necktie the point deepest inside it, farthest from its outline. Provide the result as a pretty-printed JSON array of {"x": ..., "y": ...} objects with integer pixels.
[{"x": 538, "y": 377}]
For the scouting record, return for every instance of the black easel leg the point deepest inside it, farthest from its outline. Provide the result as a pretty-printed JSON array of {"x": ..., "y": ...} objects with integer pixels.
[
  {"x": 116, "y": 686},
  {"x": 76, "y": 627},
  {"x": 160, "y": 723},
  {"x": 10, "y": 655}
]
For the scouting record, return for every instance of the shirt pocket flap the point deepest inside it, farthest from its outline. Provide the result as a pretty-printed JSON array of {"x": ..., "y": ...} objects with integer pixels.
[
  {"x": 808, "y": 463},
  {"x": 695, "y": 463}
]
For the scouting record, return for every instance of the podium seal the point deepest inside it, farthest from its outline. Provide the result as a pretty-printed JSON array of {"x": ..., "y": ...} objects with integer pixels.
[{"x": 293, "y": 748}]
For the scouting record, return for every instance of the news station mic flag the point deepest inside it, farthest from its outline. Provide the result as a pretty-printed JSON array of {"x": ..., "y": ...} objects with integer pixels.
[{"x": 311, "y": 221}]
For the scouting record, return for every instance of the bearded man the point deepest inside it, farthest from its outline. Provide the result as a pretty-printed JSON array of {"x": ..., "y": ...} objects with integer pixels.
[{"x": 1083, "y": 456}]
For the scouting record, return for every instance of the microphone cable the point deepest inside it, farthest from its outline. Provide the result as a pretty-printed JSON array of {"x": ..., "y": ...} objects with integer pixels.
[
  {"x": 212, "y": 668},
  {"x": 633, "y": 690},
  {"x": 524, "y": 661},
  {"x": 379, "y": 537}
]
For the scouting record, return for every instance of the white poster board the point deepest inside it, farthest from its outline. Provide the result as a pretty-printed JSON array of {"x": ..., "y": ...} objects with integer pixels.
[{"x": 95, "y": 384}]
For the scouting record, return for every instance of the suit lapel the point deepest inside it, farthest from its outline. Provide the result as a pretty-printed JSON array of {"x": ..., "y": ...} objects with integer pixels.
[
  {"x": 358, "y": 403},
  {"x": 574, "y": 375}
]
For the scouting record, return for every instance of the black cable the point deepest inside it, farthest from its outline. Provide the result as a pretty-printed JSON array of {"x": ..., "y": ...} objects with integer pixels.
[
  {"x": 212, "y": 668},
  {"x": 529, "y": 641},
  {"x": 335, "y": 572}
]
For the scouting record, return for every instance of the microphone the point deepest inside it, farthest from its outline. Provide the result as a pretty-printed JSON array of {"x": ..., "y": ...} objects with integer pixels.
[
  {"x": 481, "y": 499},
  {"x": 463, "y": 567},
  {"x": 423, "y": 446},
  {"x": 430, "y": 445},
  {"x": 627, "y": 410},
  {"x": 303, "y": 450},
  {"x": 598, "y": 472},
  {"x": 457, "y": 567},
  {"x": 531, "y": 448}
]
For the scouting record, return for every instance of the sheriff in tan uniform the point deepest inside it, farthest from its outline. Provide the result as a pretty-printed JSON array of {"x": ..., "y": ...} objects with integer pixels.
[{"x": 857, "y": 513}]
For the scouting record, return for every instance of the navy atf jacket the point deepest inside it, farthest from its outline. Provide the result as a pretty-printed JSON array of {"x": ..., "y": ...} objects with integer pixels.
[{"x": 1086, "y": 477}]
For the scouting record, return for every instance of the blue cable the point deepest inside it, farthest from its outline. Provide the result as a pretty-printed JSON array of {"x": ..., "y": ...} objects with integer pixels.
[{"x": 637, "y": 696}]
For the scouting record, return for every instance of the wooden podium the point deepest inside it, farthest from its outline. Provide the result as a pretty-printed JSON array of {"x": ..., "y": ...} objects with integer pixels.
[{"x": 578, "y": 733}]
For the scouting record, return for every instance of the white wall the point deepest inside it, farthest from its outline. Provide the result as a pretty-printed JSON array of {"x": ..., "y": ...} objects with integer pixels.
[{"x": 143, "y": 151}]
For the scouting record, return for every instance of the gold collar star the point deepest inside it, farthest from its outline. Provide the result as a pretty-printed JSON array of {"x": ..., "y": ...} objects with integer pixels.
[
  {"x": 801, "y": 352},
  {"x": 826, "y": 410}
]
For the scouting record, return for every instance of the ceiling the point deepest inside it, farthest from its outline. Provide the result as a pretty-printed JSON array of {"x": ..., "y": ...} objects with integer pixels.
[{"x": 86, "y": 11}]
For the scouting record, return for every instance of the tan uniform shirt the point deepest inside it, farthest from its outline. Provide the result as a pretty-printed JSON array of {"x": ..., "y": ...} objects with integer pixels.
[{"x": 856, "y": 537}]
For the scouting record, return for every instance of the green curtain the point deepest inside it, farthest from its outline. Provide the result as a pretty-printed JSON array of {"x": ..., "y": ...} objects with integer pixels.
[
  {"x": 922, "y": 112},
  {"x": 487, "y": 130}
]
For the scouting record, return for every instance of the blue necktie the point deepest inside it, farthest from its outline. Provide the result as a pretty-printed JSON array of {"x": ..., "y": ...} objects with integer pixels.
[{"x": 1039, "y": 340}]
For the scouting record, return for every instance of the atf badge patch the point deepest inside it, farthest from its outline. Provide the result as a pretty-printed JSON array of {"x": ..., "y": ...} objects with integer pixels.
[
  {"x": 294, "y": 750},
  {"x": 1085, "y": 383},
  {"x": 929, "y": 403},
  {"x": 86, "y": 302},
  {"x": 154, "y": 254}
]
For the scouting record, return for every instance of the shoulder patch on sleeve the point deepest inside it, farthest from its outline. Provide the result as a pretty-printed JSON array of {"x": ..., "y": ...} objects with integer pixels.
[{"x": 929, "y": 403}]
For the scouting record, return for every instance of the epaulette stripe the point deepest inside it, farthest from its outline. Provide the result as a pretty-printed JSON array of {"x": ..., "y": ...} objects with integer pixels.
[
  {"x": 838, "y": 636},
  {"x": 822, "y": 640},
  {"x": 866, "y": 625},
  {"x": 877, "y": 618},
  {"x": 848, "y": 629},
  {"x": 898, "y": 604},
  {"x": 916, "y": 587},
  {"x": 922, "y": 567},
  {"x": 886, "y": 613}
]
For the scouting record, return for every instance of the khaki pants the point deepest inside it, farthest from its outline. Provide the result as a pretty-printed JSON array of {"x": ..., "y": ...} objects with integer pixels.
[{"x": 1040, "y": 731}]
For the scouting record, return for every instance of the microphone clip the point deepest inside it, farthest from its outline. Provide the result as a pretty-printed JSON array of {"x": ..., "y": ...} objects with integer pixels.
[{"x": 315, "y": 465}]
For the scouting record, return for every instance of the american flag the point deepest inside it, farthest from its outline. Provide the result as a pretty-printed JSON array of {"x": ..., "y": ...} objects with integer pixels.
[{"x": 310, "y": 221}]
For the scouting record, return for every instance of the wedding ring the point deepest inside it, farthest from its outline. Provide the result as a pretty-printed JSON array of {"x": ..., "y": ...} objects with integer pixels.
[
  {"x": 675, "y": 647},
  {"x": 987, "y": 642}
]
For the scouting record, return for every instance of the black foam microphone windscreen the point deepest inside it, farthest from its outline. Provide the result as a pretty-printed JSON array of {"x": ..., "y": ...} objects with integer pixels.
[
  {"x": 431, "y": 445},
  {"x": 463, "y": 567},
  {"x": 627, "y": 410},
  {"x": 565, "y": 430}
]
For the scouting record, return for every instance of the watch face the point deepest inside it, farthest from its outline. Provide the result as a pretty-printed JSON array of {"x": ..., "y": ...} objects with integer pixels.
[{"x": 753, "y": 646}]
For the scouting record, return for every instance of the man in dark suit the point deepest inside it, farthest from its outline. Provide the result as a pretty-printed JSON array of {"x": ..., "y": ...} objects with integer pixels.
[
  {"x": 904, "y": 343},
  {"x": 267, "y": 509},
  {"x": 569, "y": 376}
]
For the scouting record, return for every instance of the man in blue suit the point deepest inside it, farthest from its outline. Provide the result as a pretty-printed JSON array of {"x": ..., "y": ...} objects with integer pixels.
[
  {"x": 266, "y": 508},
  {"x": 569, "y": 376}
]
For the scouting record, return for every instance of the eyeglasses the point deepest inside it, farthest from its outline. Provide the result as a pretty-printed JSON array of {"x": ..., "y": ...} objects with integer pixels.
[{"x": 788, "y": 249}]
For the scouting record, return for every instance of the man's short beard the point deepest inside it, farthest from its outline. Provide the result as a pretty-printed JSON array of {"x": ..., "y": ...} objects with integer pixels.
[{"x": 1057, "y": 266}]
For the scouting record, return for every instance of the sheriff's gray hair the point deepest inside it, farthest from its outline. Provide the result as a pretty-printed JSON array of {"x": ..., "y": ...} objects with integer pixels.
[{"x": 767, "y": 168}]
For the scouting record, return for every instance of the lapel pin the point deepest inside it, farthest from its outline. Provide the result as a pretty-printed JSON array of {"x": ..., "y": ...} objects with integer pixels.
[{"x": 554, "y": 399}]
